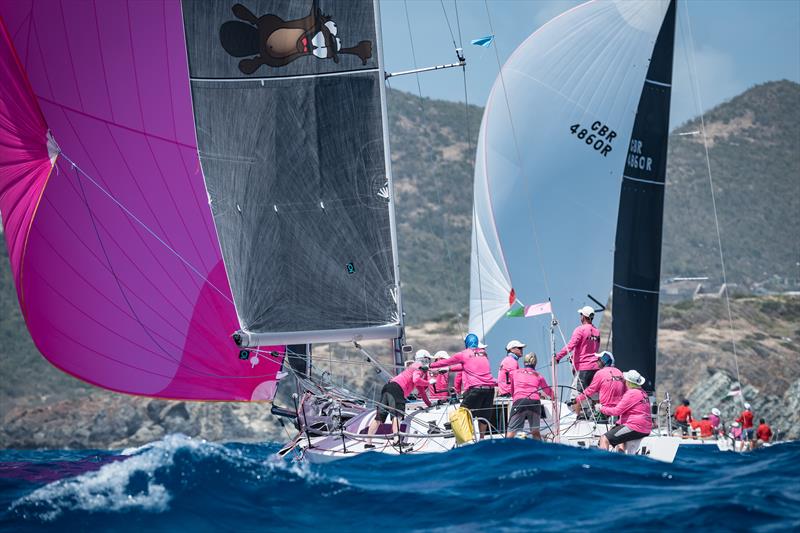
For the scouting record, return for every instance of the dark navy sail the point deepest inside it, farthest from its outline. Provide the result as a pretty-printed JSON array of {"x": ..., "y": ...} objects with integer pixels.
[
  {"x": 289, "y": 112},
  {"x": 637, "y": 253}
]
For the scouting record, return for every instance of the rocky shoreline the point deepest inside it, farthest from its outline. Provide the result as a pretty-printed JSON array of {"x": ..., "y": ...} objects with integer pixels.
[{"x": 104, "y": 420}]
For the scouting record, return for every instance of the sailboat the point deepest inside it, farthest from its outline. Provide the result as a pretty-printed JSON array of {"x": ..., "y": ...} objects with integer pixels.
[
  {"x": 187, "y": 189},
  {"x": 553, "y": 212},
  {"x": 575, "y": 135}
]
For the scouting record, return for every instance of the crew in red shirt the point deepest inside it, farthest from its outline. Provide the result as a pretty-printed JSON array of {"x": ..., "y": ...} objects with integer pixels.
[
  {"x": 706, "y": 428},
  {"x": 683, "y": 415},
  {"x": 746, "y": 420},
  {"x": 763, "y": 432}
]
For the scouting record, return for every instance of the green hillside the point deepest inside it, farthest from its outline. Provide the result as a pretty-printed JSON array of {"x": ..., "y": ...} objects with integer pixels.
[
  {"x": 754, "y": 151},
  {"x": 432, "y": 162}
]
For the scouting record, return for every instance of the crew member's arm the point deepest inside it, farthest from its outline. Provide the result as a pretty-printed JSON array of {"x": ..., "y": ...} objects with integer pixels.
[
  {"x": 573, "y": 342},
  {"x": 588, "y": 391},
  {"x": 423, "y": 393},
  {"x": 624, "y": 404},
  {"x": 545, "y": 389},
  {"x": 452, "y": 360},
  {"x": 420, "y": 380}
]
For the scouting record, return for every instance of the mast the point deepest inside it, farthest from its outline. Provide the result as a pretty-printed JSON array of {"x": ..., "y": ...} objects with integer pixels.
[
  {"x": 637, "y": 253},
  {"x": 387, "y": 158}
]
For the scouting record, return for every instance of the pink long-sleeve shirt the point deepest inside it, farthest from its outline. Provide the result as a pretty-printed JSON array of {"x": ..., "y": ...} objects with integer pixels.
[
  {"x": 633, "y": 411},
  {"x": 438, "y": 390},
  {"x": 458, "y": 382},
  {"x": 584, "y": 344},
  {"x": 411, "y": 378},
  {"x": 475, "y": 367},
  {"x": 528, "y": 383},
  {"x": 608, "y": 381},
  {"x": 508, "y": 365}
]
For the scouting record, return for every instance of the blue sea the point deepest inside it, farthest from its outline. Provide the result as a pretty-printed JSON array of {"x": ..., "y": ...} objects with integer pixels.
[{"x": 180, "y": 483}]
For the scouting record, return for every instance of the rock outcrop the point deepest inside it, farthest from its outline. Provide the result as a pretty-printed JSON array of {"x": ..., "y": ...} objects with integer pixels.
[
  {"x": 720, "y": 390},
  {"x": 108, "y": 420}
]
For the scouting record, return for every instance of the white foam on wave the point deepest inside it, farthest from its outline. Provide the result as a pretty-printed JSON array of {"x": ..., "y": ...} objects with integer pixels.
[
  {"x": 303, "y": 470},
  {"x": 107, "y": 488}
]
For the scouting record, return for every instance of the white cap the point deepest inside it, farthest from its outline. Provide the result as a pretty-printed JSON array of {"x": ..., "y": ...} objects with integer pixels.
[
  {"x": 441, "y": 354},
  {"x": 715, "y": 412},
  {"x": 747, "y": 406},
  {"x": 586, "y": 311},
  {"x": 422, "y": 354},
  {"x": 514, "y": 344},
  {"x": 634, "y": 377},
  {"x": 735, "y": 424}
]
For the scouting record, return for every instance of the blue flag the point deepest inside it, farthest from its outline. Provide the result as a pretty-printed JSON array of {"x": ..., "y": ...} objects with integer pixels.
[{"x": 483, "y": 41}]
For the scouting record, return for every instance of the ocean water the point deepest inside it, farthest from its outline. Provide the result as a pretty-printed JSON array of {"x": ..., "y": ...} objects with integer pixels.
[{"x": 180, "y": 483}]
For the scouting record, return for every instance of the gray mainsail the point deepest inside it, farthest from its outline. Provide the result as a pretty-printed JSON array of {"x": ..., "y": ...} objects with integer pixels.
[{"x": 291, "y": 128}]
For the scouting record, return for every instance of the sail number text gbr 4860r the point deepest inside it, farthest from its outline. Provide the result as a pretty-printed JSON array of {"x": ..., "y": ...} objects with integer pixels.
[{"x": 599, "y": 136}]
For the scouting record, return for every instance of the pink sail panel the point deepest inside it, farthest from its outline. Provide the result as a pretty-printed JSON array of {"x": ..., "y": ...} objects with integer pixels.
[
  {"x": 24, "y": 161},
  {"x": 121, "y": 279}
]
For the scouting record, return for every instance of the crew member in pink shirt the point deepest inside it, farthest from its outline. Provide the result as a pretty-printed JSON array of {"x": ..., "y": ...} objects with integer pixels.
[
  {"x": 607, "y": 382},
  {"x": 584, "y": 344},
  {"x": 394, "y": 393},
  {"x": 527, "y": 385},
  {"x": 473, "y": 363},
  {"x": 633, "y": 411},
  {"x": 508, "y": 365},
  {"x": 715, "y": 419},
  {"x": 439, "y": 382}
]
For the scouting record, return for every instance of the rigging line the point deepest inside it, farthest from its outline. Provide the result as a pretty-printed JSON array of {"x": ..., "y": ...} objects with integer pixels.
[
  {"x": 471, "y": 150},
  {"x": 437, "y": 188},
  {"x": 696, "y": 90},
  {"x": 447, "y": 19},
  {"x": 519, "y": 154},
  {"x": 145, "y": 226},
  {"x": 458, "y": 25}
]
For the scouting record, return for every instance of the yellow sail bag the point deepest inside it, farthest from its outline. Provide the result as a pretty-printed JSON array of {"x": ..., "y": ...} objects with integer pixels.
[{"x": 461, "y": 423}]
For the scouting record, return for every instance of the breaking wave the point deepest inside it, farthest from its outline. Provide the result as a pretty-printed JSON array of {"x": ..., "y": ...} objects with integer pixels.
[{"x": 180, "y": 482}]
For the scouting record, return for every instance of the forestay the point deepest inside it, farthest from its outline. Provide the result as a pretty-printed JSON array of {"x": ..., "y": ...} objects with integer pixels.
[{"x": 551, "y": 150}]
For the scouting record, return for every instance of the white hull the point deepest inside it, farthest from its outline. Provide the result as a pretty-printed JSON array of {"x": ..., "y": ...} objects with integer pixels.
[{"x": 425, "y": 432}]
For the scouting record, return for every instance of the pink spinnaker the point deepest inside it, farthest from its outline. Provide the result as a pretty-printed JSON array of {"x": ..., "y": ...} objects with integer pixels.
[{"x": 113, "y": 249}]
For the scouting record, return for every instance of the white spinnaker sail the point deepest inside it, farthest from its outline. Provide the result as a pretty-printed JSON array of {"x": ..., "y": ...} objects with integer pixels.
[{"x": 552, "y": 146}]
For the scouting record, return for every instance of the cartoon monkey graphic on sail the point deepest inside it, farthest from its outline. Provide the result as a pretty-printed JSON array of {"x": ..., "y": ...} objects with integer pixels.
[{"x": 276, "y": 42}]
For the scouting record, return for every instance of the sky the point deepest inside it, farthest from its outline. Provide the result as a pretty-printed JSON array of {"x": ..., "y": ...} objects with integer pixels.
[{"x": 733, "y": 44}]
